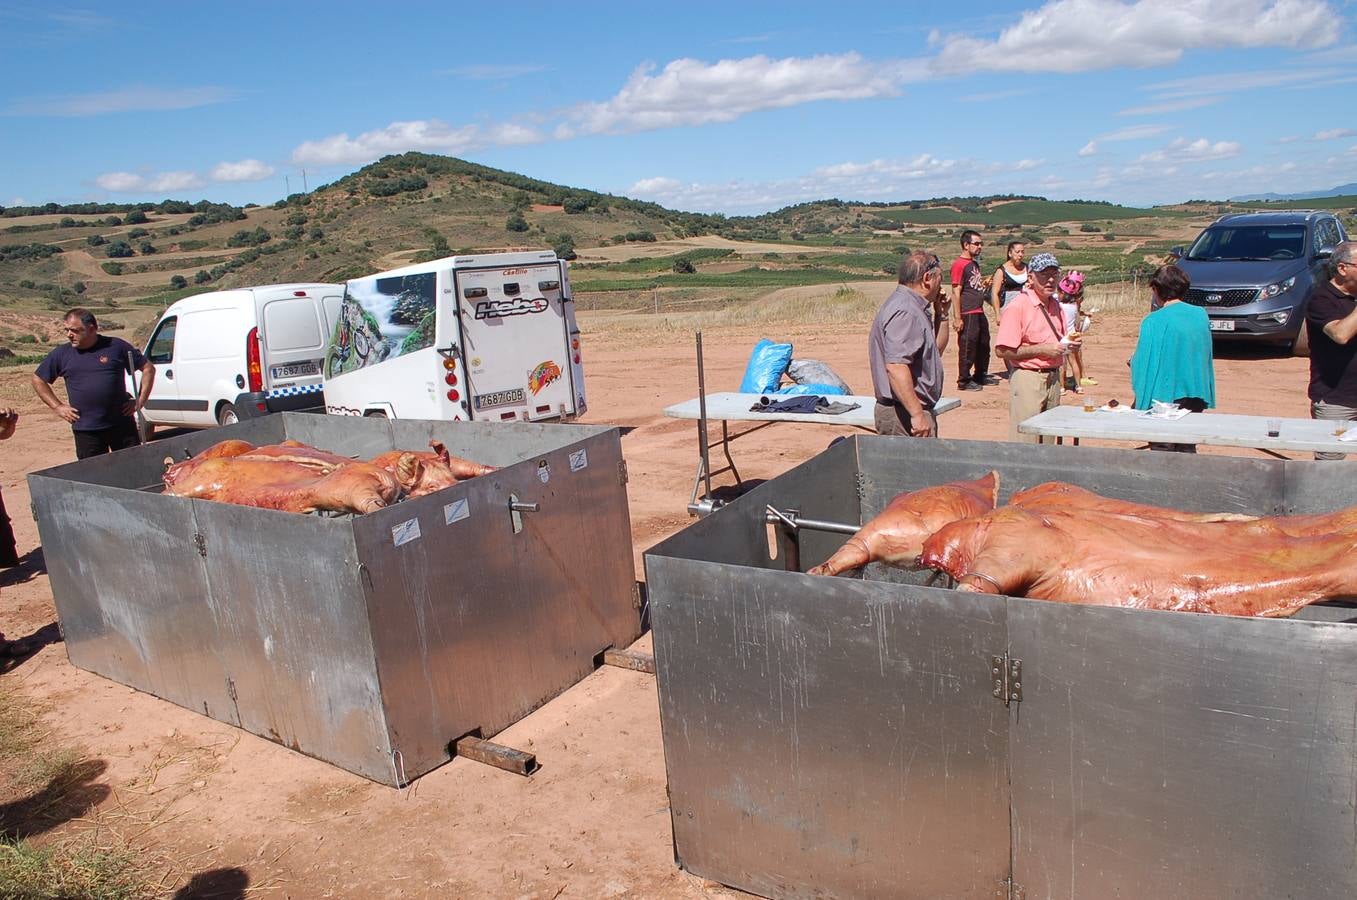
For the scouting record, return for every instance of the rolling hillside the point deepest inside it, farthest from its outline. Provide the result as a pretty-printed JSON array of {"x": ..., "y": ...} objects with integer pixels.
[{"x": 128, "y": 261}]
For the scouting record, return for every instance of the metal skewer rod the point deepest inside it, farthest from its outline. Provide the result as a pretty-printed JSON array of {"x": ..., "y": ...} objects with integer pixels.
[{"x": 795, "y": 522}]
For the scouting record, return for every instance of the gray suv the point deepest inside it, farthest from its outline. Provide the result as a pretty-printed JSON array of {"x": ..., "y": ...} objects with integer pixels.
[{"x": 1254, "y": 272}]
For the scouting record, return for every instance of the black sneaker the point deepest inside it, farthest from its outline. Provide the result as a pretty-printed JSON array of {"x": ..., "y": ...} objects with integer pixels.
[
  {"x": 990, "y": 379},
  {"x": 969, "y": 386}
]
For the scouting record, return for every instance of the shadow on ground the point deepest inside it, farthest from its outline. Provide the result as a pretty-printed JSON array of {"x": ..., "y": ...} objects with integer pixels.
[
  {"x": 215, "y": 884},
  {"x": 69, "y": 794}
]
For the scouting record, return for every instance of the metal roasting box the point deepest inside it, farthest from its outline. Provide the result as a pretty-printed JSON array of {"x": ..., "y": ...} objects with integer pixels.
[
  {"x": 876, "y": 737},
  {"x": 371, "y": 642}
]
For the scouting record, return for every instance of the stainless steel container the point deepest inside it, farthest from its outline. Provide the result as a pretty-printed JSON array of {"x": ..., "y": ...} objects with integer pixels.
[
  {"x": 371, "y": 642},
  {"x": 876, "y": 737}
]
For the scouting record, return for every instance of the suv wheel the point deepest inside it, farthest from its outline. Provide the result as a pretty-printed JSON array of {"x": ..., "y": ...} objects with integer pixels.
[
  {"x": 1301, "y": 345},
  {"x": 227, "y": 415}
]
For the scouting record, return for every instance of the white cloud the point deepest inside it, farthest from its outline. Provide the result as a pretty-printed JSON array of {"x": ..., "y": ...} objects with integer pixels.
[
  {"x": 1332, "y": 134},
  {"x": 1184, "y": 151},
  {"x": 430, "y": 135},
  {"x": 124, "y": 100},
  {"x": 692, "y": 92},
  {"x": 1130, "y": 133},
  {"x": 1086, "y": 35},
  {"x": 1169, "y": 106},
  {"x": 245, "y": 170},
  {"x": 1228, "y": 82},
  {"x": 659, "y": 185},
  {"x": 131, "y": 183}
]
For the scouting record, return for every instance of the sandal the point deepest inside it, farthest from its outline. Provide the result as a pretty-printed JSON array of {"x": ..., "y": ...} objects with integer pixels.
[{"x": 1088, "y": 382}]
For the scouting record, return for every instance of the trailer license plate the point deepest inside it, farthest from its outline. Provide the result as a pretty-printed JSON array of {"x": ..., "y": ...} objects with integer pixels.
[
  {"x": 1222, "y": 324},
  {"x": 499, "y": 398},
  {"x": 296, "y": 370}
]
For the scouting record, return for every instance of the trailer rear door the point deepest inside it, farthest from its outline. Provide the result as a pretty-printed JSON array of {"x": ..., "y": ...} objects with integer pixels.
[{"x": 517, "y": 346}]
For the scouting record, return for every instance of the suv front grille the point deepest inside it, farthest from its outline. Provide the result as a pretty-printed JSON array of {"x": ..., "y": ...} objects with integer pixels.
[{"x": 1238, "y": 297}]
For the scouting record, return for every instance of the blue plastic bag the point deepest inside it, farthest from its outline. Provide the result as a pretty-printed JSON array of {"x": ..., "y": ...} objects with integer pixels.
[
  {"x": 767, "y": 363},
  {"x": 793, "y": 389}
]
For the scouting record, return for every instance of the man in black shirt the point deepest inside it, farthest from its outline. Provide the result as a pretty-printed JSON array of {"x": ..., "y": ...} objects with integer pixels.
[
  {"x": 98, "y": 407},
  {"x": 1331, "y": 319}
]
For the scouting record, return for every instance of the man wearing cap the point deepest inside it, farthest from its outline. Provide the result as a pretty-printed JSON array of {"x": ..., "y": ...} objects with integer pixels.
[
  {"x": 1032, "y": 336},
  {"x": 902, "y": 349}
]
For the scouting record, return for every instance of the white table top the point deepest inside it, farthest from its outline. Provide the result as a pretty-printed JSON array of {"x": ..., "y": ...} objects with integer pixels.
[
  {"x": 1221, "y": 429},
  {"x": 734, "y": 407}
]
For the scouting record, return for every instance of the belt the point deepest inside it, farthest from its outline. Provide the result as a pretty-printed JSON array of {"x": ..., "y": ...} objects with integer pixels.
[
  {"x": 1046, "y": 371},
  {"x": 895, "y": 404}
]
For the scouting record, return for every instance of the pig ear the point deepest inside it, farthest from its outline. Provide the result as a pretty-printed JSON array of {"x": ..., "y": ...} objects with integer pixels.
[
  {"x": 439, "y": 450},
  {"x": 408, "y": 469},
  {"x": 990, "y": 486}
]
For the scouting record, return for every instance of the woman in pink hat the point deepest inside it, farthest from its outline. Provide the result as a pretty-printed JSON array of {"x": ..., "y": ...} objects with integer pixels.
[{"x": 1071, "y": 308}]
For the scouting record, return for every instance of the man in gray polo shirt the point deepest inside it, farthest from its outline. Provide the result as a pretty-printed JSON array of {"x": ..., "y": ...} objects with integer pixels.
[{"x": 906, "y": 364}]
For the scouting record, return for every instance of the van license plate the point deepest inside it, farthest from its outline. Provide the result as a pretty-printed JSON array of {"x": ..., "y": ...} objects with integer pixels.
[
  {"x": 296, "y": 370},
  {"x": 499, "y": 398},
  {"x": 1222, "y": 324}
]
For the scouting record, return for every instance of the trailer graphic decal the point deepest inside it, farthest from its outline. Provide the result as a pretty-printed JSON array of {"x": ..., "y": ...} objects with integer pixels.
[
  {"x": 501, "y": 309},
  {"x": 543, "y": 375},
  {"x": 381, "y": 319}
]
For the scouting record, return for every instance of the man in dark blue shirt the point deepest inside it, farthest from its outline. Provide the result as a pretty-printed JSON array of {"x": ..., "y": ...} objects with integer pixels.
[{"x": 99, "y": 407}]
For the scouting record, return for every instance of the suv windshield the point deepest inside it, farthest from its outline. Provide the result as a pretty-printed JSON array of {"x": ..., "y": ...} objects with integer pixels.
[{"x": 1251, "y": 242}]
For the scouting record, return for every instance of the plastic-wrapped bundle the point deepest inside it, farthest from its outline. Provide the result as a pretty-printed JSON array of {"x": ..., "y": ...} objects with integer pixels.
[
  {"x": 819, "y": 389},
  {"x": 814, "y": 372},
  {"x": 766, "y": 364}
]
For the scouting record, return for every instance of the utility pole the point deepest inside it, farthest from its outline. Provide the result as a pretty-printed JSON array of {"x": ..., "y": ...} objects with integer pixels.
[
  {"x": 288, "y": 181},
  {"x": 304, "y": 188}
]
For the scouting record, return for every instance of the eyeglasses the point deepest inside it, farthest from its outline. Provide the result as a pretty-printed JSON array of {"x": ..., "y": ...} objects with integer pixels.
[{"x": 975, "y": 244}]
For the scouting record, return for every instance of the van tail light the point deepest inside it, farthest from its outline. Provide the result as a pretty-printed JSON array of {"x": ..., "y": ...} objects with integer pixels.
[{"x": 253, "y": 368}]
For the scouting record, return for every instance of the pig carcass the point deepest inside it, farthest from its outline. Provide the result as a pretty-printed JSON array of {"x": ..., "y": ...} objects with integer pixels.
[
  {"x": 424, "y": 473},
  {"x": 1088, "y": 555},
  {"x": 896, "y": 535}
]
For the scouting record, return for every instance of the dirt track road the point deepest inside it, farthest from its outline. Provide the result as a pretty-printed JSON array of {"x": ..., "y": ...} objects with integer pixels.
[{"x": 594, "y": 821}]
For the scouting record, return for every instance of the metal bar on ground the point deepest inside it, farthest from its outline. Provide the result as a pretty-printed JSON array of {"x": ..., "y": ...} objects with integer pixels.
[
  {"x": 497, "y": 755},
  {"x": 629, "y": 659}
]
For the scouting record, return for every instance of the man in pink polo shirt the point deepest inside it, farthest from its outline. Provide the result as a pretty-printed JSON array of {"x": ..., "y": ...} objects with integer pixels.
[{"x": 1032, "y": 338}]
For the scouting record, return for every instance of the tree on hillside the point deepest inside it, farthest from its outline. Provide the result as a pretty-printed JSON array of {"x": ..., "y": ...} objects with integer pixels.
[
  {"x": 118, "y": 250},
  {"x": 516, "y": 222},
  {"x": 684, "y": 266},
  {"x": 135, "y": 217},
  {"x": 178, "y": 281}
]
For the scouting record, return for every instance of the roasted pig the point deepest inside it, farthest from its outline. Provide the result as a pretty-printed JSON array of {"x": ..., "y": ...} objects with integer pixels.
[{"x": 895, "y": 536}]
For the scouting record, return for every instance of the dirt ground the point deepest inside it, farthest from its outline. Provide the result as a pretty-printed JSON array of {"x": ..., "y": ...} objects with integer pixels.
[{"x": 594, "y": 821}]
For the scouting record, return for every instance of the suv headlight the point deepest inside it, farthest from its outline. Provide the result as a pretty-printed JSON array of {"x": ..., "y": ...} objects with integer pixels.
[{"x": 1281, "y": 287}]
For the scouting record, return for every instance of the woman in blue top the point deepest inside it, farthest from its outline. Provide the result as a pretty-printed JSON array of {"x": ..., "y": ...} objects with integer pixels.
[{"x": 1173, "y": 359}]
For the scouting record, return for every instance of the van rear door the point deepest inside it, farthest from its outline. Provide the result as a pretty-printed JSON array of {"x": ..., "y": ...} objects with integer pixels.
[
  {"x": 517, "y": 348},
  {"x": 292, "y": 341}
]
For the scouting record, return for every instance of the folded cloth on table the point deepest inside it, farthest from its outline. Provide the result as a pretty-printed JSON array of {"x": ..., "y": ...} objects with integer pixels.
[{"x": 805, "y": 403}]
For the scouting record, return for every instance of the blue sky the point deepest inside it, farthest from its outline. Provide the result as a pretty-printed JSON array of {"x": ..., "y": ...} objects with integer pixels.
[{"x": 716, "y": 107}]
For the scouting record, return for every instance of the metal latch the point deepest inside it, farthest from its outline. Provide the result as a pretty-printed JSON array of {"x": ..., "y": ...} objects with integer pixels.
[
  {"x": 1010, "y": 890},
  {"x": 1006, "y": 677},
  {"x": 622, "y": 475},
  {"x": 200, "y": 544},
  {"x": 516, "y": 510}
]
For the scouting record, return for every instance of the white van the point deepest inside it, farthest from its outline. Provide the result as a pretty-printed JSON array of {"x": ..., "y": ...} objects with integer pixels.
[
  {"x": 229, "y": 355},
  {"x": 488, "y": 336}
]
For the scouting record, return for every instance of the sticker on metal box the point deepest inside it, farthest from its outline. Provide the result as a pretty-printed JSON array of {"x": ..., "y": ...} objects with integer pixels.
[
  {"x": 456, "y": 511},
  {"x": 579, "y": 459},
  {"x": 543, "y": 471},
  {"x": 405, "y": 532}
]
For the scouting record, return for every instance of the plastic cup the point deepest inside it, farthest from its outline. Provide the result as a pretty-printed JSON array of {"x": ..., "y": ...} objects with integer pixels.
[
  {"x": 1274, "y": 427},
  {"x": 1090, "y": 404}
]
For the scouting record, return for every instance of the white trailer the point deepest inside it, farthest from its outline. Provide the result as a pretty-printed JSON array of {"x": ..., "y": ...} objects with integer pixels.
[{"x": 487, "y": 336}]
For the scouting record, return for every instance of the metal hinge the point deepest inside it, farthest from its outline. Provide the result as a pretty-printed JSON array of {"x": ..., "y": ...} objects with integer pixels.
[
  {"x": 200, "y": 543},
  {"x": 622, "y": 475},
  {"x": 860, "y": 485},
  {"x": 1006, "y": 677},
  {"x": 1010, "y": 890},
  {"x": 636, "y": 595}
]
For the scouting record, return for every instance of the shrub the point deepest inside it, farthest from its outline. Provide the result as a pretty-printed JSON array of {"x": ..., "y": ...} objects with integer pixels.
[
  {"x": 27, "y": 251},
  {"x": 137, "y": 233},
  {"x": 516, "y": 222},
  {"x": 1109, "y": 236},
  {"x": 118, "y": 250},
  {"x": 248, "y": 238},
  {"x": 294, "y": 232},
  {"x": 1089, "y": 227},
  {"x": 136, "y": 217},
  {"x": 316, "y": 234},
  {"x": 67, "y": 222},
  {"x": 684, "y": 266},
  {"x": 388, "y": 187},
  {"x": 114, "y": 221},
  {"x": 79, "y": 287},
  {"x": 1063, "y": 245},
  {"x": 178, "y": 281},
  {"x": 202, "y": 277},
  {"x": 575, "y": 205},
  {"x": 112, "y": 268},
  {"x": 96, "y": 240},
  {"x": 147, "y": 248}
]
